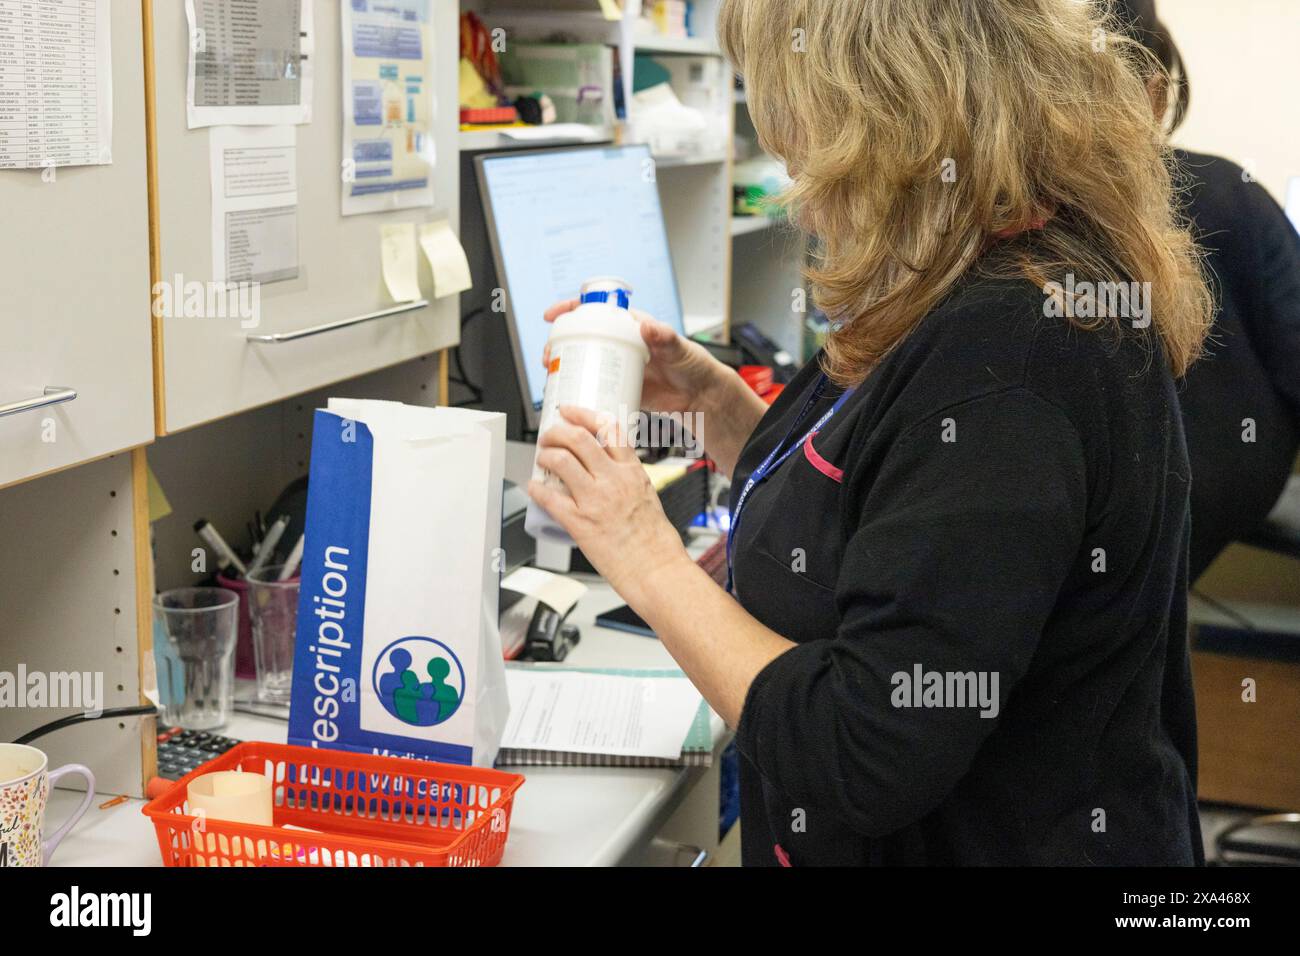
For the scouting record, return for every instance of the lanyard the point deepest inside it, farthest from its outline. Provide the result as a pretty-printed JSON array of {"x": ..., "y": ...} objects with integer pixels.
[{"x": 775, "y": 459}]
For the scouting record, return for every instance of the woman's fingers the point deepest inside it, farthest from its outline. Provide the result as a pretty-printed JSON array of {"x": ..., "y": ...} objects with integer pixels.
[
  {"x": 608, "y": 434},
  {"x": 657, "y": 335},
  {"x": 564, "y": 465},
  {"x": 553, "y": 313},
  {"x": 560, "y": 308},
  {"x": 578, "y": 440},
  {"x": 660, "y": 338},
  {"x": 557, "y": 504}
]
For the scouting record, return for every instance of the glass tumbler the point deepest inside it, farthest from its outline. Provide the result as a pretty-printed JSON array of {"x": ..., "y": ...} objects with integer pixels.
[
  {"x": 273, "y": 609},
  {"x": 200, "y": 625}
]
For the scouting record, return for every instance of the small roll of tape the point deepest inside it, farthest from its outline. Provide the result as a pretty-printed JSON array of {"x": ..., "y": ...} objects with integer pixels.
[{"x": 233, "y": 796}]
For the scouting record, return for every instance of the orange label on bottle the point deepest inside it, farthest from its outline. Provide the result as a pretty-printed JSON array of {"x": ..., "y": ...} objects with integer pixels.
[{"x": 555, "y": 366}]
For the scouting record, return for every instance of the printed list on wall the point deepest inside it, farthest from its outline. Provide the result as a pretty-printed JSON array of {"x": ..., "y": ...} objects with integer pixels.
[
  {"x": 250, "y": 62},
  {"x": 56, "y": 84}
]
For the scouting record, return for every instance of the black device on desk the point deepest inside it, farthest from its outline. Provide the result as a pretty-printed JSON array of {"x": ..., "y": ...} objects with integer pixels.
[
  {"x": 760, "y": 350},
  {"x": 549, "y": 638},
  {"x": 625, "y": 619},
  {"x": 545, "y": 638},
  {"x": 714, "y": 561},
  {"x": 732, "y": 356}
]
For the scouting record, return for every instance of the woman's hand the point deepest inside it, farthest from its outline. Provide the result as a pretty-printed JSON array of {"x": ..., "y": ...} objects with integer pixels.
[
  {"x": 612, "y": 510},
  {"x": 684, "y": 379},
  {"x": 681, "y": 376}
]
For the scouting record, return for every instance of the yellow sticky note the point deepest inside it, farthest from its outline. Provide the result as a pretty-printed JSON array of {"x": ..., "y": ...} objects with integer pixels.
[
  {"x": 401, "y": 267},
  {"x": 159, "y": 506},
  {"x": 611, "y": 9},
  {"x": 446, "y": 258}
]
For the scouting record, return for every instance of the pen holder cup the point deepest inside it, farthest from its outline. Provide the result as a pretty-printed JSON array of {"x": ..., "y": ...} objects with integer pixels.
[{"x": 245, "y": 656}]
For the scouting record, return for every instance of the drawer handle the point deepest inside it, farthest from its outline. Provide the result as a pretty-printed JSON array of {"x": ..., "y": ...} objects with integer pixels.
[
  {"x": 699, "y": 856},
  {"x": 53, "y": 395},
  {"x": 279, "y": 338}
]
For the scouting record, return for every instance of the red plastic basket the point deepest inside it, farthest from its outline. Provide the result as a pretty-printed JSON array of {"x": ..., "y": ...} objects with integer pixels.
[{"x": 366, "y": 811}]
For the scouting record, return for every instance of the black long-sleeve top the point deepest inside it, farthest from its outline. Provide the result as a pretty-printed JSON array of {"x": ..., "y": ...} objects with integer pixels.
[
  {"x": 1241, "y": 403},
  {"x": 1008, "y": 495}
]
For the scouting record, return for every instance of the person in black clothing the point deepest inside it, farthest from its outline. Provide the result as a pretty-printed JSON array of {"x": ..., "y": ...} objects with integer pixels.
[
  {"x": 1241, "y": 402},
  {"x": 959, "y": 538}
]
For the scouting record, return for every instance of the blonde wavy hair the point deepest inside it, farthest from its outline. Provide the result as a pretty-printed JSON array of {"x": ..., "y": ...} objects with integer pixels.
[{"x": 918, "y": 131}]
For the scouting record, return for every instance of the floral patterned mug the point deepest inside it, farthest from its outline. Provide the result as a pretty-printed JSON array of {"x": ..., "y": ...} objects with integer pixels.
[{"x": 25, "y": 782}]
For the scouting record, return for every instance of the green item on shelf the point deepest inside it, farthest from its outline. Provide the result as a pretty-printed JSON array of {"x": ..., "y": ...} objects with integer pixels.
[
  {"x": 648, "y": 72},
  {"x": 757, "y": 201}
]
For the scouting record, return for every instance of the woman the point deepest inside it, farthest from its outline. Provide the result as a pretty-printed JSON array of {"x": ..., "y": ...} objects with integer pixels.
[
  {"x": 959, "y": 538},
  {"x": 1241, "y": 403}
]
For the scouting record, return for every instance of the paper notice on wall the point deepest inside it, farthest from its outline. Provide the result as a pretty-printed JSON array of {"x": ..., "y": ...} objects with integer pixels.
[
  {"x": 388, "y": 105},
  {"x": 446, "y": 258},
  {"x": 56, "y": 84},
  {"x": 254, "y": 203},
  {"x": 250, "y": 62},
  {"x": 401, "y": 266}
]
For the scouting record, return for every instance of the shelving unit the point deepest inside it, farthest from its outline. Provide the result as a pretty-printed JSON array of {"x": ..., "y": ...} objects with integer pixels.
[
  {"x": 695, "y": 46},
  {"x": 771, "y": 257},
  {"x": 680, "y": 162},
  {"x": 748, "y": 225},
  {"x": 74, "y": 599},
  {"x": 695, "y": 189},
  {"x": 486, "y": 140}
]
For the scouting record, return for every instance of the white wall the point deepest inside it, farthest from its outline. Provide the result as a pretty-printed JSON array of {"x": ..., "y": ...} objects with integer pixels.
[{"x": 1243, "y": 57}]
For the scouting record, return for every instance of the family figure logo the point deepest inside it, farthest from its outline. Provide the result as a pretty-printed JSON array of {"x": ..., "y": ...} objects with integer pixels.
[{"x": 420, "y": 681}]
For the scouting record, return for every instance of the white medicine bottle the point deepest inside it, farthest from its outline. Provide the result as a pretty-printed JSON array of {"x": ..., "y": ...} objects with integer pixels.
[{"x": 597, "y": 362}]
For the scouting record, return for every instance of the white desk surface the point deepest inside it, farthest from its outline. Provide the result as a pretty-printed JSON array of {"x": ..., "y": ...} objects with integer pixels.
[{"x": 563, "y": 816}]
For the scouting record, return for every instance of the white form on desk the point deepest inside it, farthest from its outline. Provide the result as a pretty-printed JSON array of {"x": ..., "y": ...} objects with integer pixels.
[
  {"x": 599, "y": 713},
  {"x": 563, "y": 816},
  {"x": 56, "y": 84}
]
